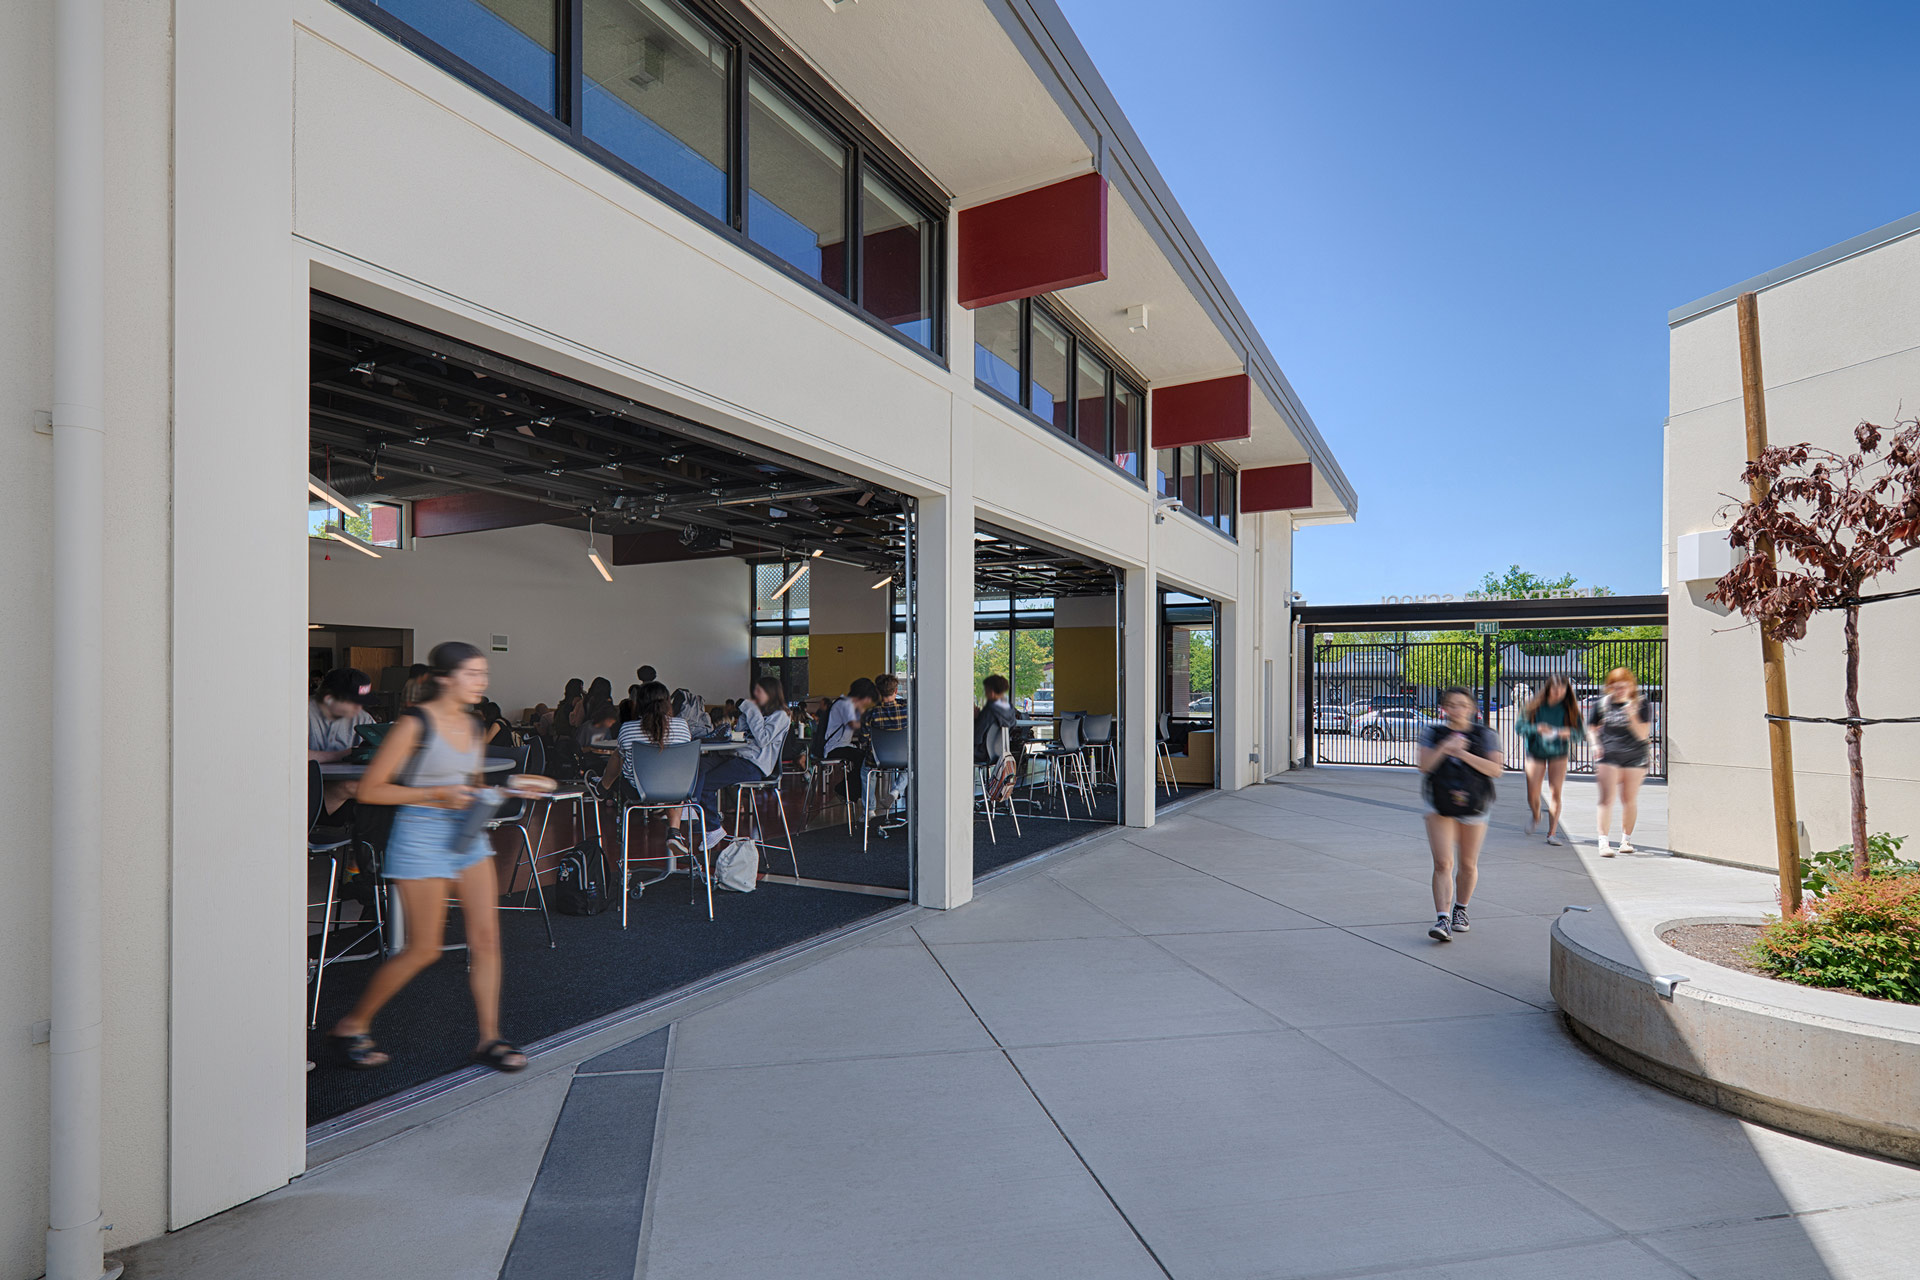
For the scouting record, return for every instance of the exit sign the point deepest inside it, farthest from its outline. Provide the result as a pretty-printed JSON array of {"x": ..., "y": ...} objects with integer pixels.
[{"x": 1486, "y": 628}]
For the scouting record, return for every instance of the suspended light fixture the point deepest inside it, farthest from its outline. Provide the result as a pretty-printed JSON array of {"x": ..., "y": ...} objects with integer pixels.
[
  {"x": 788, "y": 584},
  {"x": 883, "y": 582},
  {"x": 327, "y": 493},
  {"x": 593, "y": 553},
  {"x": 339, "y": 534}
]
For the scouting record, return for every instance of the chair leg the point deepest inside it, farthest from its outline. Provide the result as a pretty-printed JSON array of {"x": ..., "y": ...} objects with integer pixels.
[
  {"x": 786, "y": 829},
  {"x": 626, "y": 868},
  {"x": 866, "y": 802},
  {"x": 539, "y": 891},
  {"x": 326, "y": 928},
  {"x": 706, "y": 861}
]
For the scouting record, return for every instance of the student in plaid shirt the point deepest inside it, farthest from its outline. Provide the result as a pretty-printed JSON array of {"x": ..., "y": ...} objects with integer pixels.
[{"x": 888, "y": 713}]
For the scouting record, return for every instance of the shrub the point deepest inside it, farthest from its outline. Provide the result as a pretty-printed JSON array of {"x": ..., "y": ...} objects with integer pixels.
[
  {"x": 1863, "y": 935},
  {"x": 1821, "y": 871}
]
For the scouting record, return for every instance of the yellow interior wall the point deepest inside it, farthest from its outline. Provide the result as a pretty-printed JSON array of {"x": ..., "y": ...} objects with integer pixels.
[
  {"x": 1086, "y": 671},
  {"x": 834, "y": 662}
]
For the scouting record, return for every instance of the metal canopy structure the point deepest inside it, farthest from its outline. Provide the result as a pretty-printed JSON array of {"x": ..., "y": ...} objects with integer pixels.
[
  {"x": 397, "y": 411},
  {"x": 1434, "y": 615},
  {"x": 1012, "y": 564}
]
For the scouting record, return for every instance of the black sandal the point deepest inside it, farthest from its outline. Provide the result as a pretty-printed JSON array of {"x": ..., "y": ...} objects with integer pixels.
[
  {"x": 357, "y": 1052},
  {"x": 494, "y": 1053}
]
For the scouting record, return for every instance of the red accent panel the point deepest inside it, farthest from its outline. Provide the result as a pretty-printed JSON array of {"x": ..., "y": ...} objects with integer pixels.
[
  {"x": 1203, "y": 412},
  {"x": 1288, "y": 488},
  {"x": 1036, "y": 242},
  {"x": 474, "y": 512}
]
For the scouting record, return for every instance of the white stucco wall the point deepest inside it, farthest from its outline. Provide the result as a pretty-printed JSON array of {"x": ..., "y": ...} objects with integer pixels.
[{"x": 1838, "y": 345}]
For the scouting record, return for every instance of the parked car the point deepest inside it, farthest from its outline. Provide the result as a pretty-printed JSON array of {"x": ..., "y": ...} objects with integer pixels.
[
  {"x": 1330, "y": 720},
  {"x": 1039, "y": 704},
  {"x": 1391, "y": 724},
  {"x": 1201, "y": 706}
]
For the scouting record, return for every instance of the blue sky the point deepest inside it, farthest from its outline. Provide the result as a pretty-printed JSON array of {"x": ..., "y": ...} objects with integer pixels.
[{"x": 1460, "y": 227}]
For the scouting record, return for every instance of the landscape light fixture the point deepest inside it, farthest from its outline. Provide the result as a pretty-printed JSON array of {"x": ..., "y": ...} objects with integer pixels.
[
  {"x": 593, "y": 553},
  {"x": 327, "y": 493},
  {"x": 339, "y": 534},
  {"x": 788, "y": 584}
]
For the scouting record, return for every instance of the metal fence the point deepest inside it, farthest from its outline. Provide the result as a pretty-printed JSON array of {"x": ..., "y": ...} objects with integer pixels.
[{"x": 1371, "y": 703}]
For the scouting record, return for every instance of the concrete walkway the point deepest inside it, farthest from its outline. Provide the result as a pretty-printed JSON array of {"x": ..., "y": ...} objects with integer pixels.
[{"x": 1222, "y": 1047}]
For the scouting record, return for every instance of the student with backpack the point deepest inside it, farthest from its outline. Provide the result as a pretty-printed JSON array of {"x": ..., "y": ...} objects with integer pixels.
[{"x": 1459, "y": 759}]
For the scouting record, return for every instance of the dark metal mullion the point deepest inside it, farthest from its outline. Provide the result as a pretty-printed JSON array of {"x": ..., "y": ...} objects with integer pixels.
[
  {"x": 573, "y": 91},
  {"x": 1026, "y": 353},
  {"x": 855, "y": 256},
  {"x": 737, "y": 158}
]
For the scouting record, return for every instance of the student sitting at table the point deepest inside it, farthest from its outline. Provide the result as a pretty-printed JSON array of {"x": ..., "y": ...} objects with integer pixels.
[
  {"x": 494, "y": 727},
  {"x": 997, "y": 711},
  {"x": 764, "y": 716},
  {"x": 418, "y": 687},
  {"x": 689, "y": 707},
  {"x": 841, "y": 738},
  {"x": 332, "y": 715},
  {"x": 887, "y": 713},
  {"x": 598, "y": 722},
  {"x": 653, "y": 728}
]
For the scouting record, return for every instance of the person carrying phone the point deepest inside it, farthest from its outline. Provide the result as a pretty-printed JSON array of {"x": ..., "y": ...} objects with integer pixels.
[
  {"x": 435, "y": 747},
  {"x": 1548, "y": 721},
  {"x": 1621, "y": 731},
  {"x": 1459, "y": 759}
]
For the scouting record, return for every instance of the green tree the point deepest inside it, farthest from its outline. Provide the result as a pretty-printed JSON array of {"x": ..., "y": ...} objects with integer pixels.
[
  {"x": 1520, "y": 584},
  {"x": 1456, "y": 660},
  {"x": 1646, "y": 661}
]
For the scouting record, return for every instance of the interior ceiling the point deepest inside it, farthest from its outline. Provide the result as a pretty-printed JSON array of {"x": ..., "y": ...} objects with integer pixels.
[
  {"x": 400, "y": 412},
  {"x": 1007, "y": 562}
]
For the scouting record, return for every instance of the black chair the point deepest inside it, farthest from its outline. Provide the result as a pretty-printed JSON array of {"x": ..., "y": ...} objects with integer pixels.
[
  {"x": 518, "y": 814},
  {"x": 662, "y": 779},
  {"x": 890, "y": 752},
  {"x": 1066, "y": 761},
  {"x": 1096, "y": 736},
  {"x": 329, "y": 843},
  {"x": 998, "y": 751},
  {"x": 1163, "y": 754}
]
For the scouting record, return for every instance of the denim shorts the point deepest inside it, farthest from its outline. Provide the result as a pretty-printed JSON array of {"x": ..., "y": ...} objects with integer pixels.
[{"x": 421, "y": 845}]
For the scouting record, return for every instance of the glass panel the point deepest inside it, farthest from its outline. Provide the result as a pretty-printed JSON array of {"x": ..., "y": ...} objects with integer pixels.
[
  {"x": 797, "y": 645},
  {"x": 1049, "y": 369},
  {"x": 383, "y": 524},
  {"x": 1190, "y": 479},
  {"x": 656, "y": 95},
  {"x": 767, "y": 646},
  {"x": 1033, "y": 671},
  {"x": 1163, "y": 482},
  {"x": 766, "y": 580},
  {"x": 1209, "y": 509},
  {"x": 1230, "y": 501},
  {"x": 797, "y": 185},
  {"x": 1127, "y": 404},
  {"x": 510, "y": 40},
  {"x": 996, "y": 347},
  {"x": 896, "y": 259},
  {"x": 1090, "y": 391},
  {"x": 991, "y": 654}
]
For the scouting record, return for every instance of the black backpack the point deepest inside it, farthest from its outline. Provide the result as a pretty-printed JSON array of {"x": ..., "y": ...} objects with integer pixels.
[
  {"x": 576, "y": 890},
  {"x": 1456, "y": 790}
]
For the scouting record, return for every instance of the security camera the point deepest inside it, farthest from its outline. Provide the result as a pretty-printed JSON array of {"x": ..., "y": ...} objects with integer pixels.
[
  {"x": 1163, "y": 505},
  {"x": 1294, "y": 597}
]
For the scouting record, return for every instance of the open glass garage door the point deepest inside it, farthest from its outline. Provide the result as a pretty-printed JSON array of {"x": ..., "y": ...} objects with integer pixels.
[
  {"x": 572, "y": 534},
  {"x": 1046, "y": 621}
]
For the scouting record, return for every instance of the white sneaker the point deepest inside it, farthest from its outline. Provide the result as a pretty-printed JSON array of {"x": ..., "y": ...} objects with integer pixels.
[
  {"x": 1626, "y": 846},
  {"x": 1606, "y": 850}
]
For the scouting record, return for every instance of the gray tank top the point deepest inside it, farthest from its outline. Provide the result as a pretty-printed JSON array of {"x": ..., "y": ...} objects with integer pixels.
[{"x": 438, "y": 763}]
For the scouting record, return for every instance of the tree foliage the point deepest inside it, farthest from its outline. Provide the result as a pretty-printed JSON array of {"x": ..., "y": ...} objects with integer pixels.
[{"x": 1840, "y": 521}]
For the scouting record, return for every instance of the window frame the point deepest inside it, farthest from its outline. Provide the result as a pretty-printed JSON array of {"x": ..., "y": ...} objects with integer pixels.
[
  {"x": 1116, "y": 378},
  {"x": 749, "y": 45},
  {"x": 1226, "y": 493},
  {"x": 786, "y": 627}
]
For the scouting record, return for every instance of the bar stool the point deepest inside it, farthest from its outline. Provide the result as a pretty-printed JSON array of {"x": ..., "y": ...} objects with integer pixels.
[
  {"x": 891, "y": 753},
  {"x": 1096, "y": 735},
  {"x": 517, "y": 813},
  {"x": 1163, "y": 754},
  {"x": 330, "y": 844},
  {"x": 663, "y": 779},
  {"x": 758, "y": 791},
  {"x": 1067, "y": 766},
  {"x": 998, "y": 756}
]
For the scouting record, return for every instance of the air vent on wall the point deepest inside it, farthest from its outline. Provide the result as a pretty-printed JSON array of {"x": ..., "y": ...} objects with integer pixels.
[{"x": 499, "y": 644}]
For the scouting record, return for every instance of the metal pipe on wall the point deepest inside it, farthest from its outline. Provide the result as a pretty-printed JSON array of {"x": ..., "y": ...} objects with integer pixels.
[{"x": 79, "y": 378}]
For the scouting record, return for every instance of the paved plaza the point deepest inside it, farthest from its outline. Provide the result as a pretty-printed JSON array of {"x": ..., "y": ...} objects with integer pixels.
[{"x": 1221, "y": 1047}]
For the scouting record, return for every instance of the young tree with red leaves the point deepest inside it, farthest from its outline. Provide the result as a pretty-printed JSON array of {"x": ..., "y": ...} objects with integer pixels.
[{"x": 1843, "y": 521}]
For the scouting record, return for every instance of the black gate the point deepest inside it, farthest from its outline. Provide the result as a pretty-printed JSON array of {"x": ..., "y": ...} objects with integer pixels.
[{"x": 1368, "y": 702}]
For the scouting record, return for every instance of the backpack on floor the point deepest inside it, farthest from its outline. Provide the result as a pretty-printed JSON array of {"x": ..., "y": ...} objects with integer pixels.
[
  {"x": 737, "y": 866},
  {"x": 576, "y": 889}
]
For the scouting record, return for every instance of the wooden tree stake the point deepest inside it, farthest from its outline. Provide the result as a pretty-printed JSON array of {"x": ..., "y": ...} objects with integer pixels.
[{"x": 1773, "y": 658}]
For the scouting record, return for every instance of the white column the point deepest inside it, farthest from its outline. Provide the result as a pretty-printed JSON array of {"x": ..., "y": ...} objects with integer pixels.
[
  {"x": 942, "y": 703},
  {"x": 1275, "y": 540},
  {"x": 1140, "y": 651},
  {"x": 1235, "y": 694}
]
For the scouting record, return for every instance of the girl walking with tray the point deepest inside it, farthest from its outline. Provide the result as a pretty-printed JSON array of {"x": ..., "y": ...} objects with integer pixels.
[
  {"x": 1548, "y": 722},
  {"x": 429, "y": 765},
  {"x": 1459, "y": 760},
  {"x": 1621, "y": 731}
]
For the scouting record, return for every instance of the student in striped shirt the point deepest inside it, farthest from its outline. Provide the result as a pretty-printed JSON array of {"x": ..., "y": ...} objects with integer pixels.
[{"x": 654, "y": 726}]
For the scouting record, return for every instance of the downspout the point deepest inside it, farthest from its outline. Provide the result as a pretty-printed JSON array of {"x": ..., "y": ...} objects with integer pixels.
[{"x": 79, "y": 375}]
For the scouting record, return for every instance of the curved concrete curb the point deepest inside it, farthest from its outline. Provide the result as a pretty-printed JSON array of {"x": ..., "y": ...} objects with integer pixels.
[{"x": 1838, "y": 1068}]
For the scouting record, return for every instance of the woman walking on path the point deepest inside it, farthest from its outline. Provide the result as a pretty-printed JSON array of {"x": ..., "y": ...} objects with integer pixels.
[
  {"x": 1459, "y": 761},
  {"x": 1620, "y": 730},
  {"x": 436, "y": 748},
  {"x": 1548, "y": 722}
]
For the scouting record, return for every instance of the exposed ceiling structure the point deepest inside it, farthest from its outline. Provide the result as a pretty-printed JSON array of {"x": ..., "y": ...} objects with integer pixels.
[
  {"x": 397, "y": 411},
  {"x": 1005, "y": 562}
]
